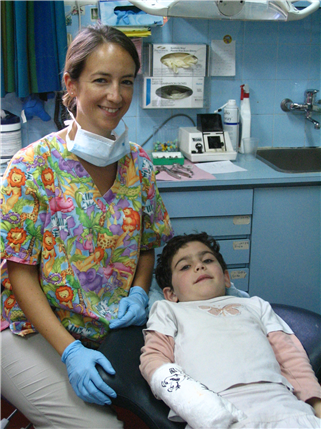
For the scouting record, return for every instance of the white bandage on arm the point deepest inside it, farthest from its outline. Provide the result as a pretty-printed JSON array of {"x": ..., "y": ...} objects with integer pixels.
[{"x": 191, "y": 400}]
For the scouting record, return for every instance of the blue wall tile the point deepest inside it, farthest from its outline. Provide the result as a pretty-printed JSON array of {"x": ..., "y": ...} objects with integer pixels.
[
  {"x": 259, "y": 62},
  {"x": 296, "y": 32},
  {"x": 289, "y": 130},
  {"x": 262, "y": 127},
  {"x": 316, "y": 28},
  {"x": 260, "y": 32},
  {"x": 293, "y": 61},
  {"x": 190, "y": 30},
  {"x": 262, "y": 96}
]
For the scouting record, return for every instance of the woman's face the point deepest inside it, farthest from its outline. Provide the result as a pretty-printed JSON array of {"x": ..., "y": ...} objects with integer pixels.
[{"x": 104, "y": 89}]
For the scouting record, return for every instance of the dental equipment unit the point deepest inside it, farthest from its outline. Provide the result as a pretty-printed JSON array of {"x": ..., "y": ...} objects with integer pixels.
[
  {"x": 206, "y": 142},
  {"x": 245, "y": 10}
]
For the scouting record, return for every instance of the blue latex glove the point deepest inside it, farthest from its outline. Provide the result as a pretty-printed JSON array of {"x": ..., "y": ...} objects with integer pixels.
[
  {"x": 83, "y": 375},
  {"x": 132, "y": 310}
]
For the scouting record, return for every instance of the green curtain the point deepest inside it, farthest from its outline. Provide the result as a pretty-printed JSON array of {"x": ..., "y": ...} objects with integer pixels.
[{"x": 34, "y": 44}]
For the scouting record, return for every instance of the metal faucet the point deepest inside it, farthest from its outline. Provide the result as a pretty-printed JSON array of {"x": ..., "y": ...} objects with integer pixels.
[{"x": 308, "y": 107}]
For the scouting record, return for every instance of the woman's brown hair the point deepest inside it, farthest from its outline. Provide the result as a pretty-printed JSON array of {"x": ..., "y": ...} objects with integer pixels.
[{"x": 84, "y": 44}]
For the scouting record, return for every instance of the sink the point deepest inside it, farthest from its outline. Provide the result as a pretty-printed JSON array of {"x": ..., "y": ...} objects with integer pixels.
[{"x": 292, "y": 159}]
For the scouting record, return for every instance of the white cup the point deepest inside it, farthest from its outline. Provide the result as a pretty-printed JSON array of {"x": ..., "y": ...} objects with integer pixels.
[{"x": 250, "y": 145}]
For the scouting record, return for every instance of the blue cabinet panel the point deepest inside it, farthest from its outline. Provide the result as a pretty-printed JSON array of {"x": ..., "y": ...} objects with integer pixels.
[
  {"x": 285, "y": 246},
  {"x": 240, "y": 278},
  {"x": 208, "y": 203},
  {"x": 216, "y": 226},
  {"x": 235, "y": 252}
]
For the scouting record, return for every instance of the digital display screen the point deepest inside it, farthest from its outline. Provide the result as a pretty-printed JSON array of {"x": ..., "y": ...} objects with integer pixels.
[{"x": 214, "y": 142}]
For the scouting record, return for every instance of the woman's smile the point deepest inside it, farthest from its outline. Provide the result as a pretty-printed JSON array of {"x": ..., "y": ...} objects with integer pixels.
[{"x": 109, "y": 109}]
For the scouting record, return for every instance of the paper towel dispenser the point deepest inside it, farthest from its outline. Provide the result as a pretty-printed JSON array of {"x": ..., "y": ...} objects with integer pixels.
[{"x": 244, "y": 10}]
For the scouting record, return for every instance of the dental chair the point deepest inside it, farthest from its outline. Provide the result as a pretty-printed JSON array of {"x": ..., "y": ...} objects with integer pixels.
[{"x": 122, "y": 348}]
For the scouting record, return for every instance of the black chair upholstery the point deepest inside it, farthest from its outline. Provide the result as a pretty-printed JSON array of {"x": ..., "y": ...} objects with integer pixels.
[{"x": 122, "y": 348}]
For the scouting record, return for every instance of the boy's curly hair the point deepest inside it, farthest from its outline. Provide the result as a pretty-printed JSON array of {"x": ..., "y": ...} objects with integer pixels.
[{"x": 163, "y": 271}]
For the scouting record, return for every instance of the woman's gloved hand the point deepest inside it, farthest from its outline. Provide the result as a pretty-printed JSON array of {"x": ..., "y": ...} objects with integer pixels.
[
  {"x": 83, "y": 375},
  {"x": 132, "y": 310}
]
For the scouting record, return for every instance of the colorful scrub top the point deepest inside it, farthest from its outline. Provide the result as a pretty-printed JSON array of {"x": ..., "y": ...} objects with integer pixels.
[{"x": 87, "y": 244}]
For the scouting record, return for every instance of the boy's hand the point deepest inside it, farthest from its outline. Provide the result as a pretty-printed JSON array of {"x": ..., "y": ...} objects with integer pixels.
[{"x": 191, "y": 400}]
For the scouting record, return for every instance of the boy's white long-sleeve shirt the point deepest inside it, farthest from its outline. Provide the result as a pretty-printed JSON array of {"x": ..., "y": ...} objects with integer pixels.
[{"x": 226, "y": 341}]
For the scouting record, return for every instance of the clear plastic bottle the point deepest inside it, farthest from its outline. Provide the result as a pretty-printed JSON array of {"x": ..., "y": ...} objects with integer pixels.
[
  {"x": 245, "y": 115},
  {"x": 231, "y": 122}
]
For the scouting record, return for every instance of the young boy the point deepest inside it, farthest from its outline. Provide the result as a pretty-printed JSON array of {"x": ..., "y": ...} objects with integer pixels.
[{"x": 221, "y": 361}]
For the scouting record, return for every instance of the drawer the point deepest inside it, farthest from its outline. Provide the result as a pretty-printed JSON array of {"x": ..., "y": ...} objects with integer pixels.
[
  {"x": 217, "y": 226},
  {"x": 240, "y": 278},
  {"x": 187, "y": 204},
  {"x": 235, "y": 252}
]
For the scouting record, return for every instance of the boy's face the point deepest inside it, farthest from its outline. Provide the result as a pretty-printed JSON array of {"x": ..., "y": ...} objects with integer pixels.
[{"x": 196, "y": 275}]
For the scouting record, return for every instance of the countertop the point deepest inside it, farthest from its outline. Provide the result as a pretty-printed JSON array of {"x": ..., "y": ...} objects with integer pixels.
[{"x": 257, "y": 174}]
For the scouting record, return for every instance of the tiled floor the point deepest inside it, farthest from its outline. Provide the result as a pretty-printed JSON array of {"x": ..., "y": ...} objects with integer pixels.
[{"x": 18, "y": 421}]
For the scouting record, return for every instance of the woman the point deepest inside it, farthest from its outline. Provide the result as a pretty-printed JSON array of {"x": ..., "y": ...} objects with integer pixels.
[{"x": 81, "y": 218}]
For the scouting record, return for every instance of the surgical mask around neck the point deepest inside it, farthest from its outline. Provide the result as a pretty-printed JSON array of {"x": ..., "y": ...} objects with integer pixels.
[{"x": 95, "y": 149}]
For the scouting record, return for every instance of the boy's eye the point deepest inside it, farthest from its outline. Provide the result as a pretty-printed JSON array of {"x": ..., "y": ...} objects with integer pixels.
[
  {"x": 184, "y": 267},
  {"x": 208, "y": 261}
]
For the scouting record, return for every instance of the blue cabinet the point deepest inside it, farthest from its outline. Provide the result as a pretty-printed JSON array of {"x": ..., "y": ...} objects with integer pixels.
[
  {"x": 285, "y": 246},
  {"x": 269, "y": 236},
  {"x": 225, "y": 214}
]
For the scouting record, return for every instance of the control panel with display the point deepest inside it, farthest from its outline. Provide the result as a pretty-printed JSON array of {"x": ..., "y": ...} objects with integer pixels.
[{"x": 206, "y": 142}]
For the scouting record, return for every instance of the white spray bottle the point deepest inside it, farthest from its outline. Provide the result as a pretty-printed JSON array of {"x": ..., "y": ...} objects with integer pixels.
[
  {"x": 231, "y": 122},
  {"x": 245, "y": 114}
]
